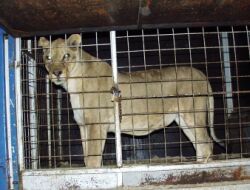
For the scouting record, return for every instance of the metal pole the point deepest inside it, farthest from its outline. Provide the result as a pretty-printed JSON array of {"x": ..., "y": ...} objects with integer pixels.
[
  {"x": 117, "y": 104},
  {"x": 59, "y": 121},
  {"x": 32, "y": 107},
  {"x": 48, "y": 118},
  {"x": 7, "y": 107},
  {"x": 19, "y": 111},
  {"x": 227, "y": 72},
  {"x": 3, "y": 137}
]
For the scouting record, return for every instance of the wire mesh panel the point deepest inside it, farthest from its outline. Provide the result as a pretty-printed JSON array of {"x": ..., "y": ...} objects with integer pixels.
[{"x": 183, "y": 95}]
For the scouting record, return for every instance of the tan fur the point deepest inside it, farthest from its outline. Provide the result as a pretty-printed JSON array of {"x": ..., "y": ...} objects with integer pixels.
[{"x": 85, "y": 78}]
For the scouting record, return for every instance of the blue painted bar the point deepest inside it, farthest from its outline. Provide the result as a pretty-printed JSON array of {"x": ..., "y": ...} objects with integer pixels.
[
  {"x": 12, "y": 111},
  {"x": 3, "y": 150},
  {"x": 4, "y": 156}
]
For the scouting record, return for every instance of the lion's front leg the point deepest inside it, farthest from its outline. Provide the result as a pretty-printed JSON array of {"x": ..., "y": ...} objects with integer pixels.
[{"x": 93, "y": 141}]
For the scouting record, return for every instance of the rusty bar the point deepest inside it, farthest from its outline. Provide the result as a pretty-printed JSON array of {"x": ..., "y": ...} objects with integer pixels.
[{"x": 195, "y": 177}]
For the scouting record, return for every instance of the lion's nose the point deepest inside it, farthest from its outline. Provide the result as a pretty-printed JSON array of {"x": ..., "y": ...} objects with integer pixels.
[{"x": 57, "y": 73}]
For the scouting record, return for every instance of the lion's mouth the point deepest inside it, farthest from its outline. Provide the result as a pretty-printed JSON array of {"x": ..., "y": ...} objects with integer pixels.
[{"x": 58, "y": 80}]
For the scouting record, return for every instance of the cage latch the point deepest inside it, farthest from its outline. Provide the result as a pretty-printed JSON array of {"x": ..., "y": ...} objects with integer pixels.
[{"x": 116, "y": 97}]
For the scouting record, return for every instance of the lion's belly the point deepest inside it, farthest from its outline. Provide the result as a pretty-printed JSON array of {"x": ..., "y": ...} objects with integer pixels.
[
  {"x": 139, "y": 125},
  {"x": 143, "y": 116}
]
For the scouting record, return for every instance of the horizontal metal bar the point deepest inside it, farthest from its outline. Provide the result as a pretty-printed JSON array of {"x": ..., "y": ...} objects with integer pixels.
[{"x": 141, "y": 168}]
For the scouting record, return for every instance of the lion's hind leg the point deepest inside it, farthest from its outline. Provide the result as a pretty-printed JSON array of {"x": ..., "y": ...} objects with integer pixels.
[
  {"x": 204, "y": 144},
  {"x": 197, "y": 134}
]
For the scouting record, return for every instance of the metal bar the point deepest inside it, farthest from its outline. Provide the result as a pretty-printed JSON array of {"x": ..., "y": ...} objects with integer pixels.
[
  {"x": 142, "y": 168},
  {"x": 149, "y": 152},
  {"x": 162, "y": 99},
  {"x": 59, "y": 121},
  {"x": 227, "y": 72},
  {"x": 48, "y": 118},
  {"x": 248, "y": 41},
  {"x": 130, "y": 86},
  {"x": 117, "y": 114},
  {"x": 12, "y": 113},
  {"x": 3, "y": 151},
  {"x": 237, "y": 72},
  {"x": 33, "y": 114},
  {"x": 19, "y": 111},
  {"x": 7, "y": 109},
  {"x": 175, "y": 48},
  {"x": 223, "y": 87}
]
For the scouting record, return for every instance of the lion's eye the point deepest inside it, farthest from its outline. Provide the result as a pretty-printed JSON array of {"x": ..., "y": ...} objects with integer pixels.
[
  {"x": 66, "y": 56},
  {"x": 48, "y": 57}
]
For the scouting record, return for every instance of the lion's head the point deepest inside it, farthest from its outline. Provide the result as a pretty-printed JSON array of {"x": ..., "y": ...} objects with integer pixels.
[{"x": 60, "y": 56}]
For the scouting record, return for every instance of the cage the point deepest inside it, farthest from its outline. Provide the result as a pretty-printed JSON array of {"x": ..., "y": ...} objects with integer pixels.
[
  {"x": 138, "y": 94},
  {"x": 52, "y": 137}
]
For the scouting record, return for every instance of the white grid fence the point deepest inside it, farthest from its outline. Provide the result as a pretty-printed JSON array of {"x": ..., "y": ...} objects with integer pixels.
[{"x": 52, "y": 136}]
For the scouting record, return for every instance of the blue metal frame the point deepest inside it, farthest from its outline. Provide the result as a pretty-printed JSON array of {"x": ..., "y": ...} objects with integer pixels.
[
  {"x": 4, "y": 155},
  {"x": 13, "y": 111},
  {"x": 3, "y": 148}
]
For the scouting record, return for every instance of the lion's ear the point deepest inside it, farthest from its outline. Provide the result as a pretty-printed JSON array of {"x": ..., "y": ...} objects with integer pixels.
[
  {"x": 74, "y": 40},
  {"x": 43, "y": 42}
]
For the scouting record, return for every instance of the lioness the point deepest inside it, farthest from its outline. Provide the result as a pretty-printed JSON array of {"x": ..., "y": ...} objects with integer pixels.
[{"x": 151, "y": 99}]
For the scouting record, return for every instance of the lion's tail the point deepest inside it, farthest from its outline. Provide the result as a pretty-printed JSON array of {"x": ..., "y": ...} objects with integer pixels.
[{"x": 210, "y": 107}]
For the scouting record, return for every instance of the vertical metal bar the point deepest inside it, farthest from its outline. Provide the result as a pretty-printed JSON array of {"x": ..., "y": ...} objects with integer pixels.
[
  {"x": 96, "y": 45},
  {"x": 238, "y": 91},
  {"x": 130, "y": 90},
  {"x": 227, "y": 72},
  {"x": 248, "y": 41},
  {"x": 3, "y": 151},
  {"x": 140, "y": 153},
  {"x": 32, "y": 109},
  {"x": 48, "y": 118},
  {"x": 7, "y": 109},
  {"x": 12, "y": 113},
  {"x": 59, "y": 122},
  {"x": 19, "y": 111},
  {"x": 162, "y": 94},
  {"x": 117, "y": 114},
  {"x": 176, "y": 79},
  {"x": 218, "y": 34}
]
